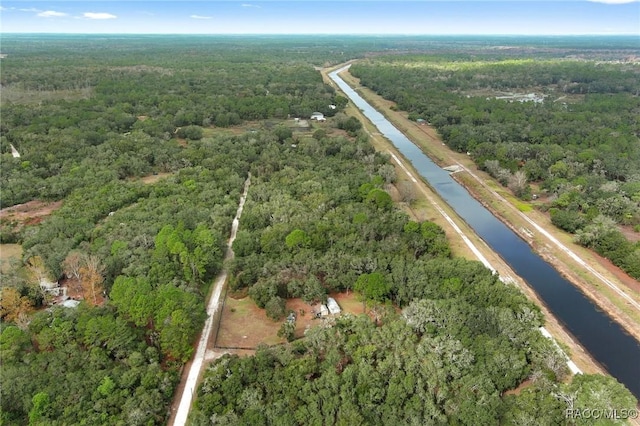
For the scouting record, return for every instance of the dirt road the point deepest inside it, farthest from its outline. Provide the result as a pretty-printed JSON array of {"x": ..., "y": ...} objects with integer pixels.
[{"x": 187, "y": 387}]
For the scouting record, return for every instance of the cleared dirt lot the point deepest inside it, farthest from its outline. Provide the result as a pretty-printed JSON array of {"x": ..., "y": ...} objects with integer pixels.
[
  {"x": 30, "y": 213},
  {"x": 245, "y": 326}
]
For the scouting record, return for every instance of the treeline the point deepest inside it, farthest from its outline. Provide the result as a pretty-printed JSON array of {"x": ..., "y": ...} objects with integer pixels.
[
  {"x": 579, "y": 146},
  {"x": 353, "y": 372},
  {"x": 142, "y": 253},
  {"x": 131, "y": 112}
]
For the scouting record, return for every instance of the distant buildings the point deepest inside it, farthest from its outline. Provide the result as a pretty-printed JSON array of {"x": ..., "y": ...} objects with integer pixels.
[{"x": 520, "y": 97}]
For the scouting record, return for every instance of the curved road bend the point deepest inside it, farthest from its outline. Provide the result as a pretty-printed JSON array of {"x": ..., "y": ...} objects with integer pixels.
[{"x": 189, "y": 385}]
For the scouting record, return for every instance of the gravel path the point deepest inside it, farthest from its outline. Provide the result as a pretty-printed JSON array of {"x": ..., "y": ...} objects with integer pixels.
[{"x": 187, "y": 387}]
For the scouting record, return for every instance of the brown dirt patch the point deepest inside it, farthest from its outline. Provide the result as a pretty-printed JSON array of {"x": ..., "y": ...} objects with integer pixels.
[
  {"x": 30, "y": 213},
  {"x": 522, "y": 386},
  {"x": 244, "y": 325},
  {"x": 619, "y": 273},
  {"x": 32, "y": 209},
  {"x": 629, "y": 233},
  {"x": 149, "y": 179}
]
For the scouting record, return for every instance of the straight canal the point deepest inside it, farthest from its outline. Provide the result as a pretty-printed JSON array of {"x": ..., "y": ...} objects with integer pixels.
[{"x": 606, "y": 341}]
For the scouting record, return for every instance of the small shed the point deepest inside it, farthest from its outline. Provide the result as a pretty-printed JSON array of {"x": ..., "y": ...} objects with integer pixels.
[
  {"x": 70, "y": 303},
  {"x": 324, "y": 311},
  {"x": 49, "y": 286},
  {"x": 333, "y": 306},
  {"x": 318, "y": 116}
]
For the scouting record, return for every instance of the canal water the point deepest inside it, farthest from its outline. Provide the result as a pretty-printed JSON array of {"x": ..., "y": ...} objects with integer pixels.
[{"x": 616, "y": 350}]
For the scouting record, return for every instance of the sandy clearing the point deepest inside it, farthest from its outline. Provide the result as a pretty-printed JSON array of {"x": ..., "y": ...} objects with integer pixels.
[
  {"x": 27, "y": 213},
  {"x": 9, "y": 253},
  {"x": 150, "y": 179}
]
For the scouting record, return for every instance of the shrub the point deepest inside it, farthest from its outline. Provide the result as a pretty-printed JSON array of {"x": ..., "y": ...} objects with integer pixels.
[{"x": 275, "y": 308}]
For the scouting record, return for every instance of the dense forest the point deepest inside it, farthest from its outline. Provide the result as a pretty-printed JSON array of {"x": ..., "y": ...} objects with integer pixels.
[
  {"x": 88, "y": 124},
  {"x": 565, "y": 130},
  {"x": 145, "y": 143}
]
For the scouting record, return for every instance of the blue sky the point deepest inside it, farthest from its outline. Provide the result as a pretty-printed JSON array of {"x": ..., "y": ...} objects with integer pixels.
[{"x": 520, "y": 17}]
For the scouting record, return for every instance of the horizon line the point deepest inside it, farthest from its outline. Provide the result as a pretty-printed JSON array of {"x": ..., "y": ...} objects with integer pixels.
[{"x": 338, "y": 34}]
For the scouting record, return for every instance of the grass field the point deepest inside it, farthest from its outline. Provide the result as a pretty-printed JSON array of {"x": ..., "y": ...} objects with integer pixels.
[
  {"x": 8, "y": 252},
  {"x": 244, "y": 325}
]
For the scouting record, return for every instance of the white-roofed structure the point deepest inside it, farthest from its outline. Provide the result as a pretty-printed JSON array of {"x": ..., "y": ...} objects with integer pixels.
[{"x": 333, "y": 306}]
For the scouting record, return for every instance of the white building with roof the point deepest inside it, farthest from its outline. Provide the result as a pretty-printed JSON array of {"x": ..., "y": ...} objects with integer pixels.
[
  {"x": 333, "y": 306},
  {"x": 318, "y": 116}
]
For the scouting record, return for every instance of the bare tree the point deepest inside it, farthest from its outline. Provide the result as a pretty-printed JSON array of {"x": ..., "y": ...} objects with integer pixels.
[
  {"x": 91, "y": 278},
  {"x": 568, "y": 398},
  {"x": 72, "y": 265},
  {"x": 492, "y": 166},
  {"x": 37, "y": 270},
  {"x": 407, "y": 192},
  {"x": 388, "y": 173},
  {"x": 518, "y": 183}
]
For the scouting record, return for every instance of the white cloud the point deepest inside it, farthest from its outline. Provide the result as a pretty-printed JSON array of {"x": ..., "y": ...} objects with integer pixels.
[
  {"x": 51, "y": 14},
  {"x": 31, "y": 9},
  {"x": 200, "y": 17},
  {"x": 614, "y": 1},
  {"x": 250, "y": 5},
  {"x": 98, "y": 15}
]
